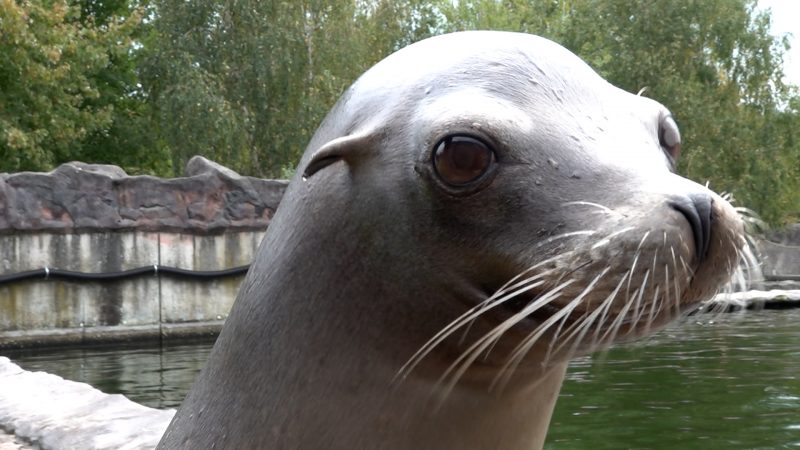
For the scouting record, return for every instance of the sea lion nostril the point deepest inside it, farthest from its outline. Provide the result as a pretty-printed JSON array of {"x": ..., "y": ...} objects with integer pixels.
[{"x": 697, "y": 210}]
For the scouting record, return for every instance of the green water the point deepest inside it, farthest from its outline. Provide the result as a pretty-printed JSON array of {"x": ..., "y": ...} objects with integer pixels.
[
  {"x": 728, "y": 383},
  {"x": 156, "y": 377}
]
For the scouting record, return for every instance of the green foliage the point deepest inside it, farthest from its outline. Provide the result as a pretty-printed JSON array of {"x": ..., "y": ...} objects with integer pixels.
[
  {"x": 57, "y": 81},
  {"x": 247, "y": 82}
]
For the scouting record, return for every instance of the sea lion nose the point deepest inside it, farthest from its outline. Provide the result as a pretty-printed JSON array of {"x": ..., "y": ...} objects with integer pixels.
[{"x": 696, "y": 208}]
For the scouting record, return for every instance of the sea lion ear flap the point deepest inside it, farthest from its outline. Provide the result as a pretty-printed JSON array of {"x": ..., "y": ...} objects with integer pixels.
[{"x": 349, "y": 149}]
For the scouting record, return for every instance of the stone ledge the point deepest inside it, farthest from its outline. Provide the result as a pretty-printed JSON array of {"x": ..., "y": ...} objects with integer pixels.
[
  {"x": 53, "y": 413},
  {"x": 58, "y": 337},
  {"x": 79, "y": 197},
  {"x": 756, "y": 299}
]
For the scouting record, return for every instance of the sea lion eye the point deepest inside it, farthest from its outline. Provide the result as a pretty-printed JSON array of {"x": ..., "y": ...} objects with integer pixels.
[
  {"x": 460, "y": 160},
  {"x": 669, "y": 137}
]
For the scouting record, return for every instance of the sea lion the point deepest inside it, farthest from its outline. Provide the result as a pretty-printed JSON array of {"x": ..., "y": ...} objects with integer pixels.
[{"x": 476, "y": 209}]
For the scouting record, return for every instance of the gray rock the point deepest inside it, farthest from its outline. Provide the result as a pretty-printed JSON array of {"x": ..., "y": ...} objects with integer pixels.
[{"x": 79, "y": 197}]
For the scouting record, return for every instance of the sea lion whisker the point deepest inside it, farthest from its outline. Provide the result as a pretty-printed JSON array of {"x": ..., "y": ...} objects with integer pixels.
[
  {"x": 459, "y": 322},
  {"x": 497, "y": 336},
  {"x": 539, "y": 301},
  {"x": 600, "y": 341},
  {"x": 641, "y": 242},
  {"x": 750, "y": 218},
  {"x": 516, "y": 281},
  {"x": 602, "y": 208},
  {"x": 751, "y": 264},
  {"x": 502, "y": 295},
  {"x": 747, "y": 256},
  {"x": 624, "y": 315},
  {"x": 586, "y": 323},
  {"x": 675, "y": 297},
  {"x": 676, "y": 290},
  {"x": 525, "y": 345},
  {"x": 620, "y": 231},
  {"x": 738, "y": 276},
  {"x": 607, "y": 239},
  {"x": 688, "y": 270},
  {"x": 656, "y": 300},
  {"x": 509, "y": 290},
  {"x": 633, "y": 264},
  {"x": 544, "y": 242},
  {"x": 631, "y": 271},
  {"x": 569, "y": 331},
  {"x": 617, "y": 323},
  {"x": 605, "y": 307},
  {"x": 637, "y": 308},
  {"x": 674, "y": 259},
  {"x": 576, "y": 322},
  {"x": 458, "y": 367},
  {"x": 562, "y": 236},
  {"x": 573, "y": 270}
]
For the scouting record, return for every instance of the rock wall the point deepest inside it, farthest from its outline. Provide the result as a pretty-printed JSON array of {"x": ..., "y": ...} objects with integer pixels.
[
  {"x": 80, "y": 198},
  {"x": 54, "y": 311},
  {"x": 96, "y": 219},
  {"x": 779, "y": 254}
]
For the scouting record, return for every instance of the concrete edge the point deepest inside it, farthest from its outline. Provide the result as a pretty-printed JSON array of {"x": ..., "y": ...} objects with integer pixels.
[
  {"x": 76, "y": 416},
  {"x": 60, "y": 337}
]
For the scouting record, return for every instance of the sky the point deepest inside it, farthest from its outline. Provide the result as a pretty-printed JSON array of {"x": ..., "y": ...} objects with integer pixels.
[{"x": 786, "y": 19}]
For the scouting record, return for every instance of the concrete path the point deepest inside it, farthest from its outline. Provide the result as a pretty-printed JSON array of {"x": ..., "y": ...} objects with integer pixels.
[
  {"x": 58, "y": 414},
  {"x": 10, "y": 442}
]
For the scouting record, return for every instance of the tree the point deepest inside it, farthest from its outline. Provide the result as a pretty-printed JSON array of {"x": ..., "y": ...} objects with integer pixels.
[
  {"x": 57, "y": 87},
  {"x": 247, "y": 82}
]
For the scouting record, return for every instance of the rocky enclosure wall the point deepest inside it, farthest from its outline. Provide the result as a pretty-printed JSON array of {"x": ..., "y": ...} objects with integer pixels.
[
  {"x": 80, "y": 198},
  {"x": 780, "y": 257},
  {"x": 97, "y": 219}
]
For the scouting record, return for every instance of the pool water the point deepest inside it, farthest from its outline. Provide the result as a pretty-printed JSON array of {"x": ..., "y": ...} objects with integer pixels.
[{"x": 712, "y": 382}]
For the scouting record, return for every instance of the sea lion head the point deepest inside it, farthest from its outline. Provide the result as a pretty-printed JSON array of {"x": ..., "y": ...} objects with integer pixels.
[
  {"x": 480, "y": 207},
  {"x": 545, "y": 195}
]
